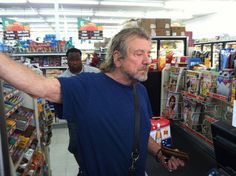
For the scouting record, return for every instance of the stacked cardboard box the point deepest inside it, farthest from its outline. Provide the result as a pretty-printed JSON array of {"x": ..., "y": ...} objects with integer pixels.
[
  {"x": 160, "y": 27},
  {"x": 149, "y": 25},
  {"x": 156, "y": 27},
  {"x": 178, "y": 31},
  {"x": 163, "y": 27}
]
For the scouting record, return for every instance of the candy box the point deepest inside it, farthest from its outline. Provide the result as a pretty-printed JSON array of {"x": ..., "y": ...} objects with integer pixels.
[{"x": 165, "y": 130}]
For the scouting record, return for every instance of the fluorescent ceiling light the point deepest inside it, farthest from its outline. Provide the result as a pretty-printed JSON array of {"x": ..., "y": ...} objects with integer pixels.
[
  {"x": 67, "y": 20},
  {"x": 17, "y": 13},
  {"x": 12, "y": 1},
  {"x": 65, "y": 2},
  {"x": 78, "y": 13},
  {"x": 126, "y": 3},
  {"x": 30, "y": 20},
  {"x": 111, "y": 21},
  {"x": 196, "y": 6},
  {"x": 42, "y": 1},
  {"x": 42, "y": 30},
  {"x": 119, "y": 14},
  {"x": 168, "y": 14},
  {"x": 78, "y": 2},
  {"x": 39, "y": 25}
]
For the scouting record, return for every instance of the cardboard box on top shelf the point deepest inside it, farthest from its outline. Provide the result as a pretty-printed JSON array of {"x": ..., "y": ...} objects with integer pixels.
[
  {"x": 163, "y": 23},
  {"x": 178, "y": 31},
  {"x": 163, "y": 32},
  {"x": 149, "y": 25}
]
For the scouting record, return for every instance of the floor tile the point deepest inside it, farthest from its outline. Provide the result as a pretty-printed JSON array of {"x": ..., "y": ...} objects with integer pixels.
[{"x": 61, "y": 160}]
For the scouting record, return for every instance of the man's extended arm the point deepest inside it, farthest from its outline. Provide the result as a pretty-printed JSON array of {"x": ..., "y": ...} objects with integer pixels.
[{"x": 28, "y": 81}]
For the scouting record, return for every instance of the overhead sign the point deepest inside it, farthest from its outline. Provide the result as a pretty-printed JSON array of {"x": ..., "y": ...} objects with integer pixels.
[
  {"x": 91, "y": 35},
  {"x": 89, "y": 31},
  {"x": 14, "y": 30}
]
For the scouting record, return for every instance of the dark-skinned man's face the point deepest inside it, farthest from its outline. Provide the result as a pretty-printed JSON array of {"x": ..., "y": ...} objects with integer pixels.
[{"x": 74, "y": 62}]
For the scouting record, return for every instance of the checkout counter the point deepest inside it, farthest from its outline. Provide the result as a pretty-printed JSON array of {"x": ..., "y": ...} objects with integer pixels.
[{"x": 201, "y": 159}]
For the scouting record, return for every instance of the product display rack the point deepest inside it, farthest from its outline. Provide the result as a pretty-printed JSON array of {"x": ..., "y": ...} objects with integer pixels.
[
  {"x": 212, "y": 107},
  {"x": 5, "y": 166},
  {"x": 24, "y": 145}
]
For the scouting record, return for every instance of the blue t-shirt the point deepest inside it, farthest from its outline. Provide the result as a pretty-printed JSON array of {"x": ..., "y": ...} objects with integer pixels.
[{"x": 103, "y": 111}]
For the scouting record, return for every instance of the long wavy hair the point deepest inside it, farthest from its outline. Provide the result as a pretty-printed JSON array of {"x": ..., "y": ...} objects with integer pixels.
[{"x": 119, "y": 43}]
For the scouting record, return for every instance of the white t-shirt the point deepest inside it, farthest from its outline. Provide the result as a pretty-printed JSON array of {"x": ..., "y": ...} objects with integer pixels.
[{"x": 85, "y": 68}]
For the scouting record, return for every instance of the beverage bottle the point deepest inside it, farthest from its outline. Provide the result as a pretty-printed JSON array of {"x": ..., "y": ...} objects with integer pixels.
[{"x": 158, "y": 134}]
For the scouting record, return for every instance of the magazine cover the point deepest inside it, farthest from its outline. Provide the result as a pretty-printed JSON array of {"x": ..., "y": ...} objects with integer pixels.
[
  {"x": 208, "y": 83},
  {"x": 172, "y": 105},
  {"x": 191, "y": 113},
  {"x": 192, "y": 82},
  {"x": 175, "y": 79},
  {"x": 173, "y": 82}
]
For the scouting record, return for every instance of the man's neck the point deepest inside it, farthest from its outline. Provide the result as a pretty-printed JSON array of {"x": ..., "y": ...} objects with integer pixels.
[
  {"x": 77, "y": 72},
  {"x": 121, "y": 78}
]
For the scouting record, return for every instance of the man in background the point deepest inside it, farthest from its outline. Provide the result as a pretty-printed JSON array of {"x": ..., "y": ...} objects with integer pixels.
[{"x": 75, "y": 67}]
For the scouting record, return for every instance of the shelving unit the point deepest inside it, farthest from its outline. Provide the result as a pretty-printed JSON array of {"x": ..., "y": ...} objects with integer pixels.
[
  {"x": 36, "y": 54},
  {"x": 211, "y": 108},
  {"x": 24, "y": 142},
  {"x": 51, "y": 64},
  {"x": 5, "y": 164},
  {"x": 214, "y": 48}
]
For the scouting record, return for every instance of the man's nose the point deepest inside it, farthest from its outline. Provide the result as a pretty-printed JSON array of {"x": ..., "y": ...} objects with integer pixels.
[{"x": 147, "y": 59}]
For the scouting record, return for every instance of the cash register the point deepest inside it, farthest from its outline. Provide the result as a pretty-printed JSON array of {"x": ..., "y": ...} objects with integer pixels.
[{"x": 224, "y": 141}]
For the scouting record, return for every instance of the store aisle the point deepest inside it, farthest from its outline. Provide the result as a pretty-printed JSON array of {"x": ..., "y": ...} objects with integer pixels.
[{"x": 62, "y": 161}]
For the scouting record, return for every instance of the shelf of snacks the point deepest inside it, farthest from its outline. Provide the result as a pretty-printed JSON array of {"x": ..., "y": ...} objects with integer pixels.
[
  {"x": 11, "y": 126},
  {"x": 21, "y": 126},
  {"x": 23, "y": 117},
  {"x": 12, "y": 108},
  {"x": 26, "y": 138},
  {"x": 25, "y": 165},
  {"x": 25, "y": 162},
  {"x": 8, "y": 91},
  {"x": 37, "y": 54},
  {"x": 51, "y": 64},
  {"x": 35, "y": 167}
]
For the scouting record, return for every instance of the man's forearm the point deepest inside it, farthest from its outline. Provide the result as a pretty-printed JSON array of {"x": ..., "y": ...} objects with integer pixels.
[
  {"x": 153, "y": 147},
  {"x": 23, "y": 78}
]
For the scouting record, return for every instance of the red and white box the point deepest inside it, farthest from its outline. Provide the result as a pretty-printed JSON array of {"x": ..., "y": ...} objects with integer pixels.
[{"x": 165, "y": 130}]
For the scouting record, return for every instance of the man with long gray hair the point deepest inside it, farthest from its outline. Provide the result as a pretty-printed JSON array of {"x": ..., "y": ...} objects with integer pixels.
[{"x": 102, "y": 105}]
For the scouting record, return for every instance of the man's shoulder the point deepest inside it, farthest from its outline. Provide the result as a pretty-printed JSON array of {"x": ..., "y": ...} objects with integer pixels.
[
  {"x": 66, "y": 73},
  {"x": 91, "y": 69}
]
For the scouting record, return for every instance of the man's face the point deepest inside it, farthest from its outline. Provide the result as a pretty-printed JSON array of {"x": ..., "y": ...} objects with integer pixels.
[
  {"x": 135, "y": 65},
  {"x": 74, "y": 62}
]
